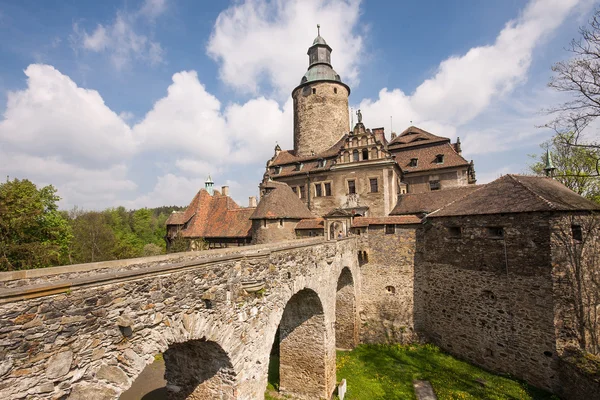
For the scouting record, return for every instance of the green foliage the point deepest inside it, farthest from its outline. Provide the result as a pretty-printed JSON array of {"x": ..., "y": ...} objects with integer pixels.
[
  {"x": 388, "y": 371},
  {"x": 33, "y": 233},
  {"x": 179, "y": 244},
  {"x": 576, "y": 167}
]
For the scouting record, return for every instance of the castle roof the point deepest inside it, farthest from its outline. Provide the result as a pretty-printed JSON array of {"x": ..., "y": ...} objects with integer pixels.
[
  {"x": 427, "y": 157},
  {"x": 280, "y": 201},
  {"x": 426, "y": 202},
  {"x": 516, "y": 194},
  {"x": 312, "y": 223},
  {"x": 413, "y": 136},
  {"x": 215, "y": 216}
]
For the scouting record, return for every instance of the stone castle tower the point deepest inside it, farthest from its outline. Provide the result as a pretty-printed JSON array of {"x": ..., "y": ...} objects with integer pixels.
[{"x": 321, "y": 113}]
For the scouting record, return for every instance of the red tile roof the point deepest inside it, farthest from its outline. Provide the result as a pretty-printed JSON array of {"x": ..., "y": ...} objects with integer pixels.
[
  {"x": 413, "y": 136},
  {"x": 517, "y": 193},
  {"x": 214, "y": 216},
  {"x": 426, "y": 202},
  {"x": 426, "y": 156},
  {"x": 360, "y": 222},
  {"x": 313, "y": 223},
  {"x": 177, "y": 218},
  {"x": 288, "y": 156}
]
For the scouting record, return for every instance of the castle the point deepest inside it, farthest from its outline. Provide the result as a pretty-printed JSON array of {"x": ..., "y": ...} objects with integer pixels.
[{"x": 499, "y": 274}]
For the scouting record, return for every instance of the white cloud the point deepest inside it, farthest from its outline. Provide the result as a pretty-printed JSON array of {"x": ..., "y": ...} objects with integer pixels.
[
  {"x": 258, "y": 42},
  {"x": 464, "y": 86},
  {"x": 170, "y": 189},
  {"x": 53, "y": 116},
  {"x": 121, "y": 38}
]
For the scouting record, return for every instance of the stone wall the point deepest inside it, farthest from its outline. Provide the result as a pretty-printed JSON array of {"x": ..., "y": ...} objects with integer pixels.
[
  {"x": 387, "y": 283},
  {"x": 579, "y": 375},
  {"x": 320, "y": 118},
  {"x": 273, "y": 230},
  {"x": 92, "y": 335},
  {"x": 419, "y": 182},
  {"x": 489, "y": 299}
]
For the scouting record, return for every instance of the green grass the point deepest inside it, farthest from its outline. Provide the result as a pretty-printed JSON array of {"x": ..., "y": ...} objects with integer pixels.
[{"x": 387, "y": 372}]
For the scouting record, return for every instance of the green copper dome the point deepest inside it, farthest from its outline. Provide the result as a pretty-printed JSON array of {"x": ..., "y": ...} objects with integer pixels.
[
  {"x": 320, "y": 72},
  {"x": 319, "y": 40}
]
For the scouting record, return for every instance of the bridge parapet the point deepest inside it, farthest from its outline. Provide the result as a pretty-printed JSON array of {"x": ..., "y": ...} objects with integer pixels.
[{"x": 89, "y": 329}]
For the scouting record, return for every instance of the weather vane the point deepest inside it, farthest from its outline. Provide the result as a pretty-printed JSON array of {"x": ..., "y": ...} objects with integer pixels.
[{"x": 318, "y": 30}]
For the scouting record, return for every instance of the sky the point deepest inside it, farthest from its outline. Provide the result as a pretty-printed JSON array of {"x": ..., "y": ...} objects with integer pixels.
[{"x": 136, "y": 102}]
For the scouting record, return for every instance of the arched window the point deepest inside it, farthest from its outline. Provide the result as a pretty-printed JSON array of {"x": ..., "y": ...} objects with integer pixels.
[
  {"x": 365, "y": 154},
  {"x": 374, "y": 153},
  {"x": 355, "y": 155}
]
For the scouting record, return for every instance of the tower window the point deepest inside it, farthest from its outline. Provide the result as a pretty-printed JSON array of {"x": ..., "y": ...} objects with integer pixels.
[
  {"x": 365, "y": 154},
  {"x": 577, "y": 233},
  {"x": 352, "y": 186},
  {"x": 314, "y": 91},
  {"x": 373, "y": 185},
  {"x": 413, "y": 162},
  {"x": 335, "y": 90},
  {"x": 328, "y": 189}
]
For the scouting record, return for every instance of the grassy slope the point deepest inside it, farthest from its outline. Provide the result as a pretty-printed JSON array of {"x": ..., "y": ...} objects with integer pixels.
[{"x": 387, "y": 372}]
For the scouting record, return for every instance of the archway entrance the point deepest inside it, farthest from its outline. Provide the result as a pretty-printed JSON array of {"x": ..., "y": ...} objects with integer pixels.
[
  {"x": 306, "y": 367},
  {"x": 346, "y": 328},
  {"x": 199, "y": 369}
]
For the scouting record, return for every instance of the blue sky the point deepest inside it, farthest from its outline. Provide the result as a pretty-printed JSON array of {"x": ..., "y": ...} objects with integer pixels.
[{"x": 134, "y": 102}]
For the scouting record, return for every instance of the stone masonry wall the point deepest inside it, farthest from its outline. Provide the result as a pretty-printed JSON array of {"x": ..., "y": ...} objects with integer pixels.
[
  {"x": 274, "y": 231},
  {"x": 489, "y": 300},
  {"x": 387, "y": 281},
  {"x": 320, "y": 118},
  {"x": 89, "y": 337}
]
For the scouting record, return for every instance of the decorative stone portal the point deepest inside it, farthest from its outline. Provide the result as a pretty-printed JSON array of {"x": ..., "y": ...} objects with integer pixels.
[
  {"x": 198, "y": 370},
  {"x": 303, "y": 362},
  {"x": 346, "y": 330}
]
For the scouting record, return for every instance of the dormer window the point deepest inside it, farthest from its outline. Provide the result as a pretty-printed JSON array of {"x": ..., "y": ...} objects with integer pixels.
[
  {"x": 299, "y": 166},
  {"x": 277, "y": 170},
  {"x": 413, "y": 162},
  {"x": 321, "y": 163},
  {"x": 439, "y": 159}
]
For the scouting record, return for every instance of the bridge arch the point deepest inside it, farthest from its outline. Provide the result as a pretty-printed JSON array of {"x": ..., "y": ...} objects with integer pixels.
[
  {"x": 346, "y": 328},
  {"x": 303, "y": 356}
]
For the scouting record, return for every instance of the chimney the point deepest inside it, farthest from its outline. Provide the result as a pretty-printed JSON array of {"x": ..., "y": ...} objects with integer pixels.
[
  {"x": 457, "y": 146},
  {"x": 252, "y": 201},
  {"x": 379, "y": 134},
  {"x": 225, "y": 190}
]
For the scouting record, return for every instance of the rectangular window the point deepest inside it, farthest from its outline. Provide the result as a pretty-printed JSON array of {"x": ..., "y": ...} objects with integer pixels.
[
  {"x": 390, "y": 229},
  {"x": 413, "y": 162},
  {"x": 495, "y": 232},
  {"x": 454, "y": 231},
  {"x": 295, "y": 190},
  {"x": 328, "y": 189},
  {"x": 352, "y": 187},
  {"x": 365, "y": 154},
  {"x": 281, "y": 222},
  {"x": 373, "y": 185},
  {"x": 577, "y": 233},
  {"x": 302, "y": 193},
  {"x": 439, "y": 159},
  {"x": 318, "y": 190},
  {"x": 434, "y": 185}
]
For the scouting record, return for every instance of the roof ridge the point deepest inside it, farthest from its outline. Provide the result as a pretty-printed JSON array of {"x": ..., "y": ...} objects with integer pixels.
[{"x": 550, "y": 204}]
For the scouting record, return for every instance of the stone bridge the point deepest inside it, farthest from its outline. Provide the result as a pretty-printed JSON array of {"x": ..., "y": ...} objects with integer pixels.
[{"x": 87, "y": 331}]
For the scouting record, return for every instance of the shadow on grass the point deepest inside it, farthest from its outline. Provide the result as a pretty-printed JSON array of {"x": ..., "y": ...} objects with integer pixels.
[{"x": 388, "y": 371}]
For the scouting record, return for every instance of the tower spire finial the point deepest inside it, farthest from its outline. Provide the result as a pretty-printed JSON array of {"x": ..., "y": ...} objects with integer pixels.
[{"x": 318, "y": 30}]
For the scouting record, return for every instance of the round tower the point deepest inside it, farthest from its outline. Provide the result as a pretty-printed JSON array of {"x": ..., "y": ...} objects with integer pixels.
[{"x": 321, "y": 113}]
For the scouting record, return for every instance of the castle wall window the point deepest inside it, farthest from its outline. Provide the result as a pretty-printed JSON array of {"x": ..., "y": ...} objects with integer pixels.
[
  {"x": 352, "y": 186},
  {"x": 454, "y": 231},
  {"x": 390, "y": 229},
  {"x": 355, "y": 156},
  {"x": 365, "y": 154},
  {"x": 373, "y": 185},
  {"x": 264, "y": 223},
  {"x": 281, "y": 222},
  {"x": 318, "y": 190},
  {"x": 495, "y": 232},
  {"x": 335, "y": 90},
  {"x": 434, "y": 185},
  {"x": 413, "y": 162},
  {"x": 439, "y": 159},
  {"x": 302, "y": 192},
  {"x": 314, "y": 91},
  {"x": 577, "y": 233},
  {"x": 327, "y": 189}
]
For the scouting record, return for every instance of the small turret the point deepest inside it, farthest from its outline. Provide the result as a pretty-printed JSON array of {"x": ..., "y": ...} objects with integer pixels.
[
  {"x": 549, "y": 168},
  {"x": 457, "y": 146},
  {"x": 208, "y": 185}
]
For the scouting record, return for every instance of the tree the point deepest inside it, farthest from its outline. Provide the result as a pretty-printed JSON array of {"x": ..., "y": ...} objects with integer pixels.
[
  {"x": 575, "y": 167},
  {"x": 580, "y": 78},
  {"x": 33, "y": 233},
  {"x": 93, "y": 238}
]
